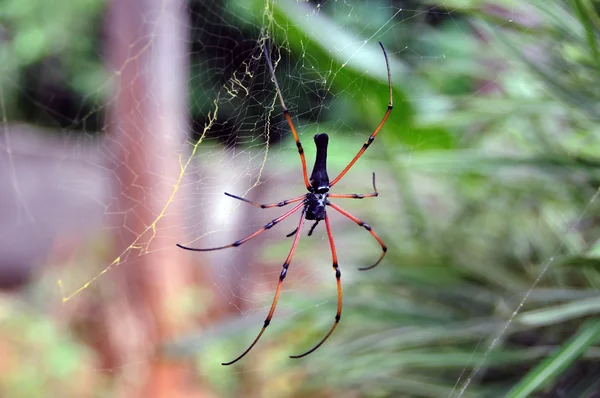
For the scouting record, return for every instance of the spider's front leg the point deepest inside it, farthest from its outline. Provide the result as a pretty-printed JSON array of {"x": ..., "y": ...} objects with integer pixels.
[
  {"x": 282, "y": 276},
  {"x": 338, "y": 275},
  {"x": 368, "y": 228}
]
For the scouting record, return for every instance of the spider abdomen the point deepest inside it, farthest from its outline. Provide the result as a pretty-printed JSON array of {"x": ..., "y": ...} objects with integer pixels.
[{"x": 315, "y": 206}]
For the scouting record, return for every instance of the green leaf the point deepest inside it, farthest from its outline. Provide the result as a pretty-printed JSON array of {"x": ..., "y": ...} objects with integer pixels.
[
  {"x": 549, "y": 369},
  {"x": 560, "y": 313}
]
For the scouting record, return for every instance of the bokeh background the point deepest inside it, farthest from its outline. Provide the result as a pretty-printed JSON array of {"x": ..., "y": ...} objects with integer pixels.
[{"x": 122, "y": 123}]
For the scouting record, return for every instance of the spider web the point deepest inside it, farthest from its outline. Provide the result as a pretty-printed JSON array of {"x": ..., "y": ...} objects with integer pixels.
[{"x": 238, "y": 142}]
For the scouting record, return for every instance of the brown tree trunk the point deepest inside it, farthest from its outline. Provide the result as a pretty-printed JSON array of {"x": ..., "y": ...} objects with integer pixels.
[{"x": 147, "y": 52}]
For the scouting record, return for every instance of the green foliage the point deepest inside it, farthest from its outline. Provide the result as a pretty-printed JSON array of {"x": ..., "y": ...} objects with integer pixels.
[
  {"x": 551, "y": 368},
  {"x": 62, "y": 34},
  {"x": 39, "y": 356}
]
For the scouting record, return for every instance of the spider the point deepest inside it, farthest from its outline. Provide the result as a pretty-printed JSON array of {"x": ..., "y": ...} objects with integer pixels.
[{"x": 313, "y": 207}]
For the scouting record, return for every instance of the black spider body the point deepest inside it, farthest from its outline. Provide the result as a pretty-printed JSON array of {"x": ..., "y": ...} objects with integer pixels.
[
  {"x": 315, "y": 206},
  {"x": 316, "y": 199},
  {"x": 319, "y": 180}
]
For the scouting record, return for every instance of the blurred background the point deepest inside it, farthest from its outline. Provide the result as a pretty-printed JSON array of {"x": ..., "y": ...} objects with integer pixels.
[{"x": 123, "y": 122}]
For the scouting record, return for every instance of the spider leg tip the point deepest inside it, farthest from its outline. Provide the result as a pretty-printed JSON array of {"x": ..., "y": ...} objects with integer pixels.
[
  {"x": 230, "y": 362},
  {"x": 369, "y": 267}
]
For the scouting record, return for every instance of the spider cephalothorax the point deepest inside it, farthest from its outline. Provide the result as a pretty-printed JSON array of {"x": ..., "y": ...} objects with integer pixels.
[{"x": 314, "y": 207}]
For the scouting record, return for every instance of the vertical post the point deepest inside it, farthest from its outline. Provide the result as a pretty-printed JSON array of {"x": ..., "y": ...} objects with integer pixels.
[{"x": 147, "y": 55}]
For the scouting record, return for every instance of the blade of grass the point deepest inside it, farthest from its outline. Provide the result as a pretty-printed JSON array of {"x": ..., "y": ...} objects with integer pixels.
[
  {"x": 583, "y": 14},
  {"x": 560, "y": 313},
  {"x": 548, "y": 370}
]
